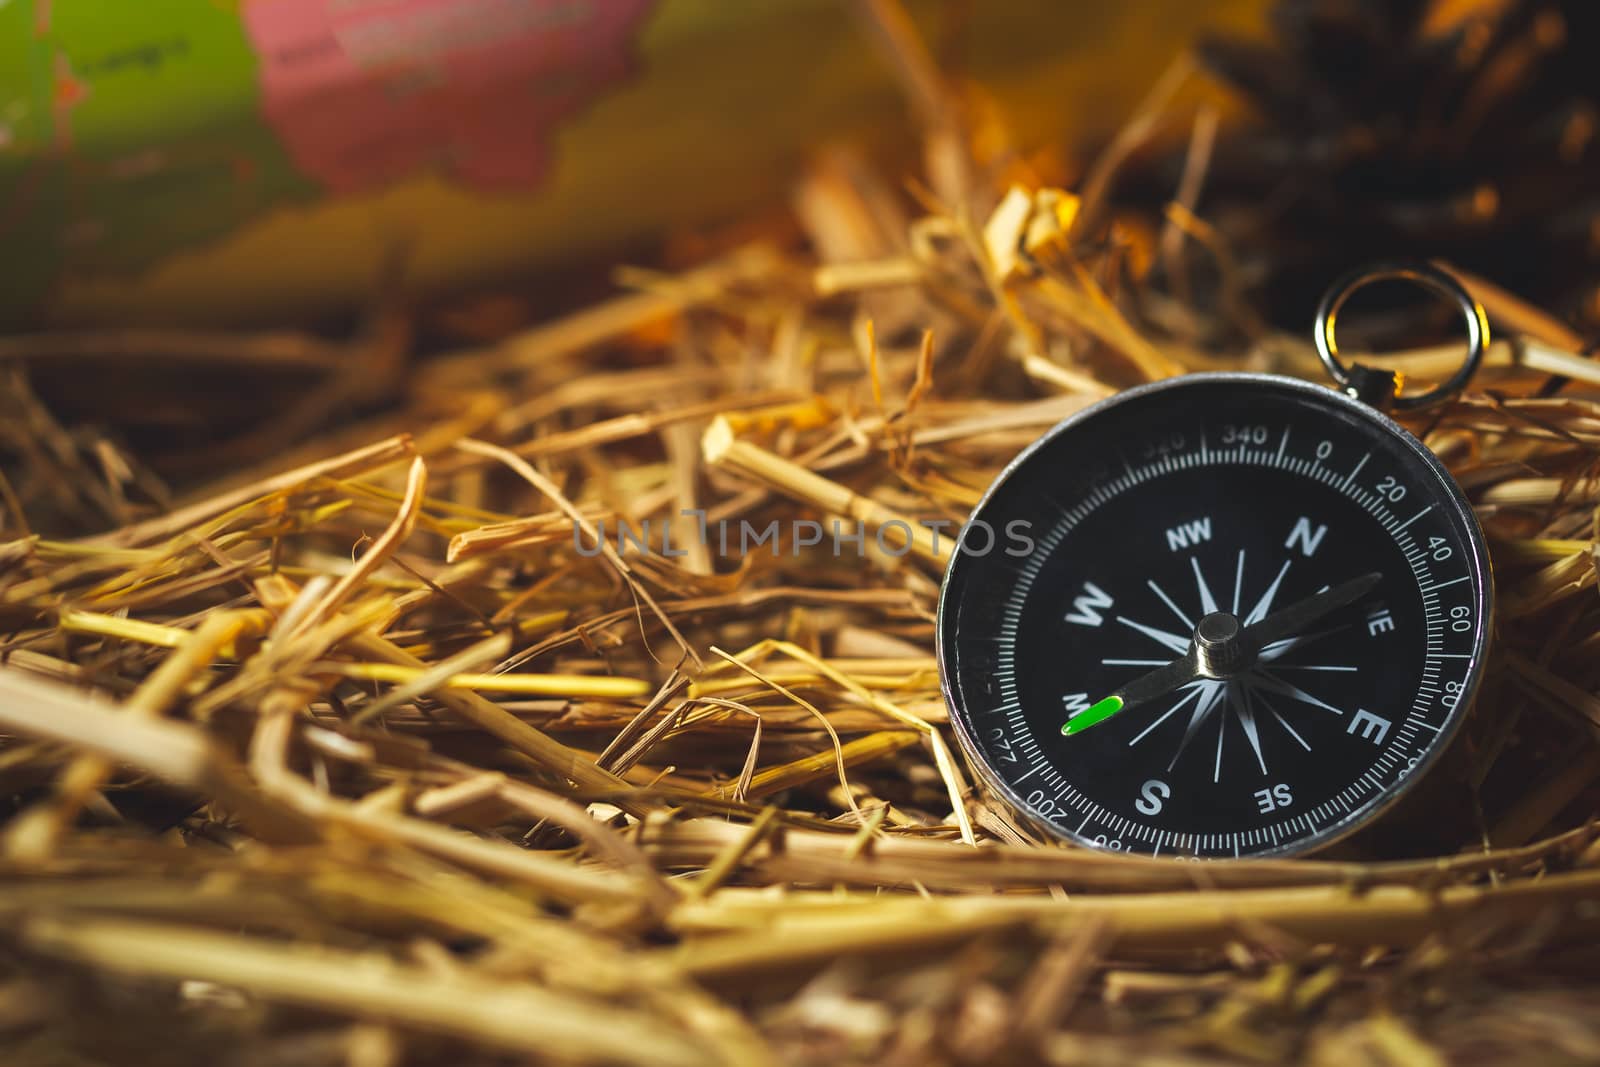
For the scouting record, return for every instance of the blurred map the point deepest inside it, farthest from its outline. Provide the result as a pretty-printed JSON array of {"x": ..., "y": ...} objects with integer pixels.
[
  {"x": 131, "y": 130},
  {"x": 249, "y": 161}
]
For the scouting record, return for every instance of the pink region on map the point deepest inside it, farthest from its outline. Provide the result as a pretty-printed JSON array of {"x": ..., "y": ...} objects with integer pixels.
[{"x": 363, "y": 92}]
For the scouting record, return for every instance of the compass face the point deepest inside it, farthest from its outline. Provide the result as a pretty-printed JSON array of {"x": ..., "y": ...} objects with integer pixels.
[{"x": 1307, "y": 577}]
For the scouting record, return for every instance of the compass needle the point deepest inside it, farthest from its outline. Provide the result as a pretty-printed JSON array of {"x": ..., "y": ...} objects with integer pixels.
[
  {"x": 1099, "y": 711},
  {"x": 1277, "y": 649},
  {"x": 1228, "y": 639}
]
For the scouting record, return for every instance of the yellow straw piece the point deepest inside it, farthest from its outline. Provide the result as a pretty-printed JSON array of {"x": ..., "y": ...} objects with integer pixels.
[
  {"x": 145, "y": 633},
  {"x": 577, "y": 685}
]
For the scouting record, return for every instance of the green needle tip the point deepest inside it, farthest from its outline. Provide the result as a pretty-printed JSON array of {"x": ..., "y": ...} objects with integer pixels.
[{"x": 1095, "y": 713}]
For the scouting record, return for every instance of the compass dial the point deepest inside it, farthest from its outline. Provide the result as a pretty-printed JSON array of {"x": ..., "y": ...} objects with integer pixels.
[{"x": 1222, "y": 615}]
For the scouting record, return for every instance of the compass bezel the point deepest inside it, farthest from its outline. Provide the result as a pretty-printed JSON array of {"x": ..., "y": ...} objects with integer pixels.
[{"x": 947, "y": 625}]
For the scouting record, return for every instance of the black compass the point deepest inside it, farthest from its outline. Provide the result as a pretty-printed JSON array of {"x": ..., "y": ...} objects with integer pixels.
[{"x": 1237, "y": 614}]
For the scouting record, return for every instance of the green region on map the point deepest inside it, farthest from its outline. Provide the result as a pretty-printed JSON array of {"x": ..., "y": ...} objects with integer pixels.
[{"x": 113, "y": 115}]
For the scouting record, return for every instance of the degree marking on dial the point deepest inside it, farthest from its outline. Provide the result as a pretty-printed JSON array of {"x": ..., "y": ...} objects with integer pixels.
[
  {"x": 1440, "y": 585},
  {"x": 1412, "y": 519},
  {"x": 1352, "y": 475}
]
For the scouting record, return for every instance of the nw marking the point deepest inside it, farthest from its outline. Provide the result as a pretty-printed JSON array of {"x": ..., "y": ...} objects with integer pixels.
[{"x": 1189, "y": 534}]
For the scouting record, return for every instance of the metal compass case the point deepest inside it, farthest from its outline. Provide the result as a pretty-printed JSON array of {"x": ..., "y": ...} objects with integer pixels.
[{"x": 1232, "y": 615}]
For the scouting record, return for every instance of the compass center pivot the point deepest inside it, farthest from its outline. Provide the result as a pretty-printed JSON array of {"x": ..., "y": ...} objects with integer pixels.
[{"x": 1219, "y": 646}]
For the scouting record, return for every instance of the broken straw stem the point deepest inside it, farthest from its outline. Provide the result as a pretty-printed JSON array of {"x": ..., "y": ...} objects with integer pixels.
[{"x": 723, "y": 449}]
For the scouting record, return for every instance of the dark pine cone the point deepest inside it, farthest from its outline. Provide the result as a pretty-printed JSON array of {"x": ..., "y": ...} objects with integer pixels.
[{"x": 1381, "y": 134}]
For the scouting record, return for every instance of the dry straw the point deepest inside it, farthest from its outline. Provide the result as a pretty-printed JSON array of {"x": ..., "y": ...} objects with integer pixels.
[{"x": 377, "y": 730}]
